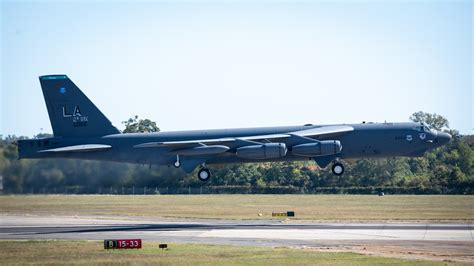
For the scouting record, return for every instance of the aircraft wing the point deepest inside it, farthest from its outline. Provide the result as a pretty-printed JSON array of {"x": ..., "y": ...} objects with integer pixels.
[
  {"x": 313, "y": 132},
  {"x": 80, "y": 148},
  {"x": 324, "y": 130}
]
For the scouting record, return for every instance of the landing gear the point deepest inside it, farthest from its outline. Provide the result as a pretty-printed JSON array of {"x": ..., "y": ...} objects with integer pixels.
[
  {"x": 177, "y": 163},
  {"x": 337, "y": 168},
  {"x": 204, "y": 174}
]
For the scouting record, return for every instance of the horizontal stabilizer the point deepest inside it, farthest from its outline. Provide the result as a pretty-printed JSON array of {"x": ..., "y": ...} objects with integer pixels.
[{"x": 80, "y": 148}]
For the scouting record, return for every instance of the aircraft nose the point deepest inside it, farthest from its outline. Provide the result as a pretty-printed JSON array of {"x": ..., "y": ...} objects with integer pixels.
[{"x": 443, "y": 137}]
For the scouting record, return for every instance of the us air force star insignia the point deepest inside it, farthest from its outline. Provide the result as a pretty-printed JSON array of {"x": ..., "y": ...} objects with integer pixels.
[
  {"x": 409, "y": 138},
  {"x": 422, "y": 136},
  {"x": 62, "y": 90}
]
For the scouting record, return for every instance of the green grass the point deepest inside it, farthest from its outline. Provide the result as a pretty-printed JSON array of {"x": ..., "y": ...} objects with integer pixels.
[
  {"x": 307, "y": 207},
  {"x": 92, "y": 253}
]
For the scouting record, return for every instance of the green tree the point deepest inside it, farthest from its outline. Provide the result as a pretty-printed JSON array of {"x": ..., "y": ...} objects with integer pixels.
[
  {"x": 135, "y": 125},
  {"x": 436, "y": 121},
  {"x": 447, "y": 169}
]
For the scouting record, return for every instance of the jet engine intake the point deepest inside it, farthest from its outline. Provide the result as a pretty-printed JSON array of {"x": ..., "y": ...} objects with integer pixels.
[
  {"x": 320, "y": 148},
  {"x": 264, "y": 151}
]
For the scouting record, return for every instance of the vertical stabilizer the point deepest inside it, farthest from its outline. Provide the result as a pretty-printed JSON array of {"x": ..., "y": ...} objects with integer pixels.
[{"x": 71, "y": 113}]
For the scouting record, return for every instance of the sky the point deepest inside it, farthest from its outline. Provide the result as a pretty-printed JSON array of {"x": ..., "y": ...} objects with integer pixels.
[{"x": 228, "y": 64}]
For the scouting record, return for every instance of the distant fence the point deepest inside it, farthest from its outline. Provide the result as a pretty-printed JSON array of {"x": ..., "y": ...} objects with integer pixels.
[{"x": 136, "y": 190}]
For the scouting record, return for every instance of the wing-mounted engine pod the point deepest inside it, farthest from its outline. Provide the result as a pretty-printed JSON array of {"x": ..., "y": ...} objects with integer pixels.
[
  {"x": 263, "y": 151},
  {"x": 320, "y": 148}
]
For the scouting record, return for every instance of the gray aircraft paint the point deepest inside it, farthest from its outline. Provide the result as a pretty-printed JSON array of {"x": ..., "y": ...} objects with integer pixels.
[{"x": 81, "y": 131}]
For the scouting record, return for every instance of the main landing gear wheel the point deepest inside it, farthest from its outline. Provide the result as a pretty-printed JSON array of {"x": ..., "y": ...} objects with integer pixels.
[
  {"x": 204, "y": 174},
  {"x": 337, "y": 169}
]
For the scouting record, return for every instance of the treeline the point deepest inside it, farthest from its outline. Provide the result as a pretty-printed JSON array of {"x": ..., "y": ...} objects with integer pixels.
[
  {"x": 445, "y": 170},
  {"x": 448, "y": 169}
]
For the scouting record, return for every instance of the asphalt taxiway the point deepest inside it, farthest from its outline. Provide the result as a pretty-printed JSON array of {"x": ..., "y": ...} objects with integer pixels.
[{"x": 424, "y": 240}]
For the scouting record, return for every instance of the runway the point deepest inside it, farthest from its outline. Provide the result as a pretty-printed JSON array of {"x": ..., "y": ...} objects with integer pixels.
[{"x": 432, "y": 241}]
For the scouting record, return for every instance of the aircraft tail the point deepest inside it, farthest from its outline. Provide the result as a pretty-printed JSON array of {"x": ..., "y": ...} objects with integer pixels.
[{"x": 71, "y": 113}]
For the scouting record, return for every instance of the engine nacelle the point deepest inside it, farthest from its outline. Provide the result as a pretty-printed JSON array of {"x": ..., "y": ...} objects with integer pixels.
[
  {"x": 324, "y": 147},
  {"x": 263, "y": 151}
]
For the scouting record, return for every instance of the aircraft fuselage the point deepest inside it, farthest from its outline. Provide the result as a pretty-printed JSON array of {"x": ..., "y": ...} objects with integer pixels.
[{"x": 368, "y": 140}]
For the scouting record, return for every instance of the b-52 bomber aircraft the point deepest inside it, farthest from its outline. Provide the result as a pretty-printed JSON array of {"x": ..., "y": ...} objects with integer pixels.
[{"x": 81, "y": 131}]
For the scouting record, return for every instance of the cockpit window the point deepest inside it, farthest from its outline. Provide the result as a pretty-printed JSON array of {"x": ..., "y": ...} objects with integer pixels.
[
  {"x": 423, "y": 128},
  {"x": 427, "y": 128}
]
